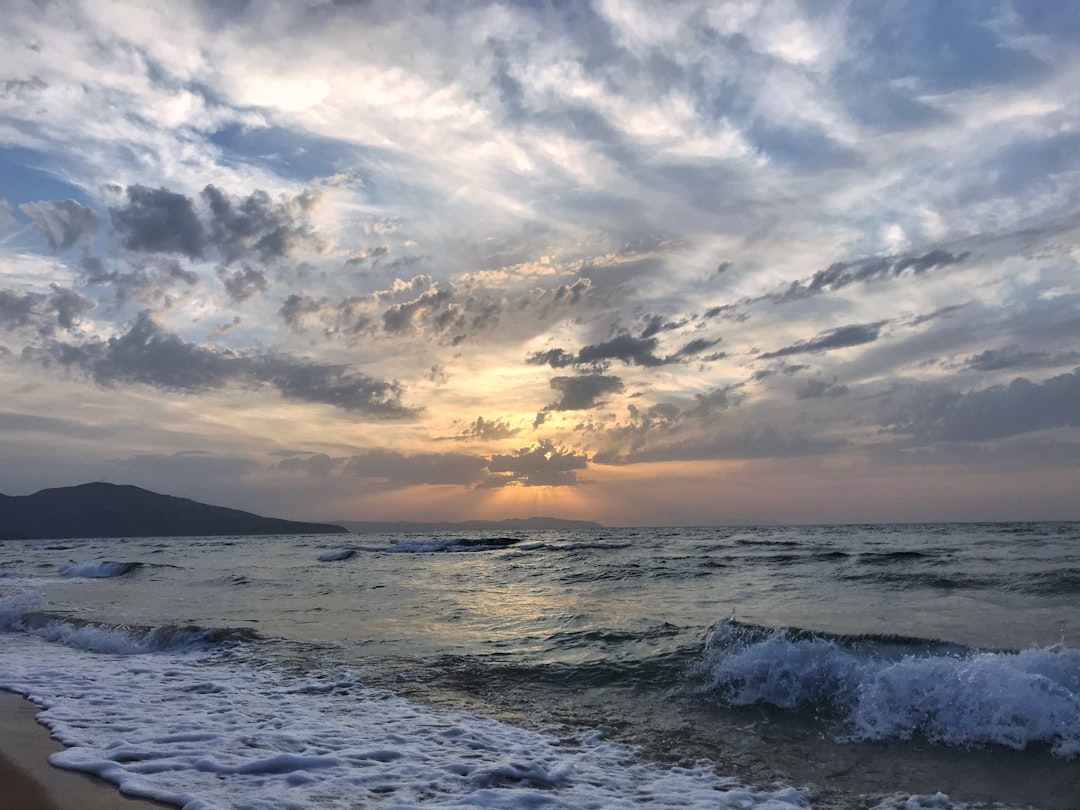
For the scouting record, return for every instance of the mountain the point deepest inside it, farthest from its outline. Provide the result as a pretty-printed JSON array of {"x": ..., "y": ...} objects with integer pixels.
[
  {"x": 406, "y": 527},
  {"x": 119, "y": 510}
]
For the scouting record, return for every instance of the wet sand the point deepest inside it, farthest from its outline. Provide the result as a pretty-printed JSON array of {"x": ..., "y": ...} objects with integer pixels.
[{"x": 31, "y": 783}]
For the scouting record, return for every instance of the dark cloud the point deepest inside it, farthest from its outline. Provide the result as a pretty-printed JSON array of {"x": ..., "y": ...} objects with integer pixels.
[
  {"x": 335, "y": 385},
  {"x": 62, "y": 223},
  {"x": 487, "y": 430},
  {"x": 582, "y": 393},
  {"x": 629, "y": 349},
  {"x": 696, "y": 347},
  {"x": 572, "y": 293},
  {"x": 365, "y": 255},
  {"x": 728, "y": 312},
  {"x": 149, "y": 354},
  {"x": 820, "y": 387},
  {"x": 256, "y": 224},
  {"x": 544, "y": 465},
  {"x": 163, "y": 221},
  {"x": 298, "y": 306},
  {"x": 782, "y": 367},
  {"x": 317, "y": 465},
  {"x": 556, "y": 358},
  {"x": 149, "y": 282},
  {"x": 17, "y": 308},
  {"x": 633, "y": 351},
  {"x": 44, "y": 312},
  {"x": 932, "y": 413},
  {"x": 240, "y": 285},
  {"x": 841, "y": 274},
  {"x": 653, "y": 324},
  {"x": 840, "y": 338},
  {"x": 401, "y": 318},
  {"x": 159, "y": 221},
  {"x": 68, "y": 305},
  {"x": 391, "y": 469},
  {"x": 762, "y": 442},
  {"x": 1015, "y": 357}
]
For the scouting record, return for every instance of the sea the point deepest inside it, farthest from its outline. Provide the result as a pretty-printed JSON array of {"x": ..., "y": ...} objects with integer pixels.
[{"x": 893, "y": 667}]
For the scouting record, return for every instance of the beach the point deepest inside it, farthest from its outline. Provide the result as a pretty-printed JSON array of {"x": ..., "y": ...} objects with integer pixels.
[{"x": 31, "y": 783}]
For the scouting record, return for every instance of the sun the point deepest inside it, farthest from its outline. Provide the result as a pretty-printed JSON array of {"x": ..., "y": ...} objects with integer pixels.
[{"x": 522, "y": 501}]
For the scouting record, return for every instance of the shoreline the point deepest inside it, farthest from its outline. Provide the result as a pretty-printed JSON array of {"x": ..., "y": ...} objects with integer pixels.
[{"x": 30, "y": 781}]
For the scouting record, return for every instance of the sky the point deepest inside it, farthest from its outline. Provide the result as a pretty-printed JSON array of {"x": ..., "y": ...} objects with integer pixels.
[{"x": 644, "y": 263}]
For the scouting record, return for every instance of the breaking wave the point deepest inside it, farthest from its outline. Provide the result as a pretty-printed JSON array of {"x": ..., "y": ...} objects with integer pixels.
[
  {"x": 98, "y": 569},
  {"x": 893, "y": 687},
  {"x": 26, "y": 613}
]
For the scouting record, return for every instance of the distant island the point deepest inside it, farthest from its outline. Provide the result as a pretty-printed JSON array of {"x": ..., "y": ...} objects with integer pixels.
[
  {"x": 121, "y": 510},
  {"x": 412, "y": 527}
]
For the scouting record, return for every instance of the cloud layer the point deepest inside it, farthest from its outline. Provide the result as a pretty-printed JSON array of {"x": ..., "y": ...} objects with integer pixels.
[{"x": 673, "y": 257}]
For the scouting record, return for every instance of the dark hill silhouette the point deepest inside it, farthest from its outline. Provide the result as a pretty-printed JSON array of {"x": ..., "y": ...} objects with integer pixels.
[{"x": 122, "y": 510}]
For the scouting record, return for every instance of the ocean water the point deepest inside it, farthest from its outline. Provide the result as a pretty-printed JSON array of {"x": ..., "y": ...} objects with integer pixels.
[{"x": 900, "y": 667}]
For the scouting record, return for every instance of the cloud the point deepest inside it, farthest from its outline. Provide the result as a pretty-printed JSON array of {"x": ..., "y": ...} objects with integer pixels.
[
  {"x": 543, "y": 465},
  {"x": 1015, "y": 357},
  {"x": 62, "y": 223},
  {"x": 932, "y": 413},
  {"x": 245, "y": 283},
  {"x": 582, "y": 393},
  {"x": 840, "y": 338},
  {"x": 317, "y": 465},
  {"x": 150, "y": 354},
  {"x": 629, "y": 349},
  {"x": 487, "y": 430},
  {"x": 229, "y": 228},
  {"x": 148, "y": 282},
  {"x": 753, "y": 442},
  {"x": 841, "y": 274},
  {"x": 256, "y": 224},
  {"x": 633, "y": 351},
  {"x": 60, "y": 308},
  {"x": 159, "y": 221},
  {"x": 391, "y": 469},
  {"x": 820, "y": 387}
]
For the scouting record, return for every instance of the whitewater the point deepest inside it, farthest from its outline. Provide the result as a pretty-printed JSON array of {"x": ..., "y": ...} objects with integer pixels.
[{"x": 902, "y": 667}]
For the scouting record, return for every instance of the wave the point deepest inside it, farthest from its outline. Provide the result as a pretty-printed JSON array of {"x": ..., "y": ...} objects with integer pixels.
[
  {"x": 925, "y": 579},
  {"x": 98, "y": 569},
  {"x": 337, "y": 554},
  {"x": 450, "y": 544},
  {"x": 887, "y": 557},
  {"x": 894, "y": 687},
  {"x": 1047, "y": 582},
  {"x": 25, "y": 613}
]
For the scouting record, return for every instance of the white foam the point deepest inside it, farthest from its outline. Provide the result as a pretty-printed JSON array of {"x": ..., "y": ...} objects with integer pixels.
[
  {"x": 976, "y": 698},
  {"x": 337, "y": 554},
  {"x": 216, "y": 731},
  {"x": 24, "y": 612},
  {"x": 939, "y": 801},
  {"x": 97, "y": 569}
]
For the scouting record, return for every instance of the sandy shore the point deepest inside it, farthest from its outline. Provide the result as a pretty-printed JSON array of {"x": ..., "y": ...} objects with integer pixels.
[{"x": 29, "y": 782}]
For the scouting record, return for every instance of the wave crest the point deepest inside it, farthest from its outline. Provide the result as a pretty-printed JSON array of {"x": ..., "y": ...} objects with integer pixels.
[
  {"x": 890, "y": 687},
  {"x": 26, "y": 613},
  {"x": 98, "y": 569}
]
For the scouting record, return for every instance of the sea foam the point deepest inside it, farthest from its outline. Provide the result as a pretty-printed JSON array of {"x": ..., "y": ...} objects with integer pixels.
[
  {"x": 242, "y": 733},
  {"x": 890, "y": 688},
  {"x": 98, "y": 569},
  {"x": 26, "y": 612}
]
